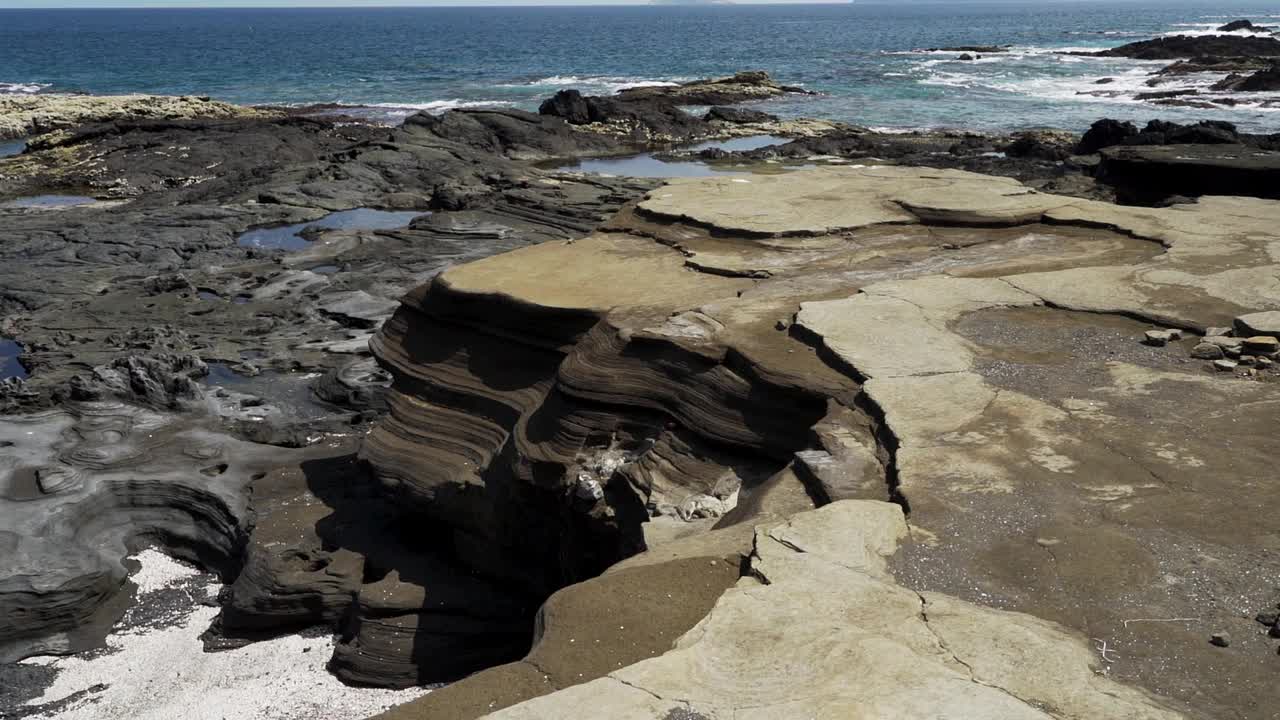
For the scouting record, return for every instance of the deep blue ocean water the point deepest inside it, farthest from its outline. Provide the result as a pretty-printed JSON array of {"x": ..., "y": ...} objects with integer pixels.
[{"x": 864, "y": 57}]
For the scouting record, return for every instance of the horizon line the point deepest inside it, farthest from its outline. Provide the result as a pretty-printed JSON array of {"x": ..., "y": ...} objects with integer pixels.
[{"x": 402, "y": 4}]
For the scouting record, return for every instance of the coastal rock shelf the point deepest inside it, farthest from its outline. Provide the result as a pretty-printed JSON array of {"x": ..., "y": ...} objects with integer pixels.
[
  {"x": 572, "y": 442},
  {"x": 729, "y": 352},
  {"x": 912, "y": 654}
]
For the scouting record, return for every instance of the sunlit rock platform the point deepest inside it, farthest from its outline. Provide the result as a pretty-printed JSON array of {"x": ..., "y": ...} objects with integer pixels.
[{"x": 857, "y": 442}]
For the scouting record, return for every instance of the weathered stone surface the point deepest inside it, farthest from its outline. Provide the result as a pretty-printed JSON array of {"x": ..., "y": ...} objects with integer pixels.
[
  {"x": 910, "y": 653},
  {"x": 969, "y": 382},
  {"x": 1261, "y": 323},
  {"x": 578, "y": 405},
  {"x": 81, "y": 487},
  {"x": 1206, "y": 351}
]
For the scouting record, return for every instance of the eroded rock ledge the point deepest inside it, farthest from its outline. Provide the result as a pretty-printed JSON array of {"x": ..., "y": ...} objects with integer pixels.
[{"x": 860, "y": 340}]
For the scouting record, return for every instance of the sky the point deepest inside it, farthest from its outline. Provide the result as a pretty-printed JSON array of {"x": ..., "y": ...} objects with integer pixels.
[{"x": 49, "y": 4}]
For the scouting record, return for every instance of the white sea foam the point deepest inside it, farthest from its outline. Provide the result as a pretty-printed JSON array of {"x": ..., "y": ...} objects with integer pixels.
[
  {"x": 1204, "y": 29},
  {"x": 597, "y": 83},
  {"x": 163, "y": 673},
  {"x": 1109, "y": 33},
  {"x": 21, "y": 88},
  {"x": 435, "y": 107}
]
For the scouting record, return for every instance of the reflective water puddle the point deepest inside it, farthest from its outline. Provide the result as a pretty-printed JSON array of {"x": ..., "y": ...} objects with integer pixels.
[{"x": 288, "y": 237}]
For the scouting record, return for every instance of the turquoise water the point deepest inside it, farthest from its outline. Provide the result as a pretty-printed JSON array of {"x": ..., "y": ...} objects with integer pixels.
[
  {"x": 865, "y": 57},
  {"x": 288, "y": 237}
]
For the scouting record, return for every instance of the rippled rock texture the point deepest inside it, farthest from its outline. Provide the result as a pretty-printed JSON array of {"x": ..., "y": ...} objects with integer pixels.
[
  {"x": 83, "y": 487},
  {"x": 729, "y": 352}
]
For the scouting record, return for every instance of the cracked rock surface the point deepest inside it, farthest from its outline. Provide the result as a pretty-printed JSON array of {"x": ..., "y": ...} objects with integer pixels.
[
  {"x": 820, "y": 629},
  {"x": 1080, "y": 505}
]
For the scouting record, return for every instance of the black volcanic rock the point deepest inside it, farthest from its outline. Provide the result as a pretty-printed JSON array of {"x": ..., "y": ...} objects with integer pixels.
[
  {"x": 738, "y": 115},
  {"x": 1212, "y": 63},
  {"x": 1146, "y": 175},
  {"x": 1108, "y": 133},
  {"x": 1035, "y": 145},
  {"x": 1235, "y": 25},
  {"x": 1105, "y": 133},
  {"x": 1267, "y": 80},
  {"x": 568, "y": 104},
  {"x": 1185, "y": 46}
]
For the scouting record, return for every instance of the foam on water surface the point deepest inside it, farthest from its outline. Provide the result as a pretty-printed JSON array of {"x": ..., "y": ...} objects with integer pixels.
[{"x": 861, "y": 57}]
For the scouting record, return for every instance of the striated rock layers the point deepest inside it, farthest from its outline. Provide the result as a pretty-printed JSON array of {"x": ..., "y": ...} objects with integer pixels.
[
  {"x": 84, "y": 486},
  {"x": 820, "y": 629},
  {"x": 729, "y": 352}
]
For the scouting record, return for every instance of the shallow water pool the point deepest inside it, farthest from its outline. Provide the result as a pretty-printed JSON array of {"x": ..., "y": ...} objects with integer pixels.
[
  {"x": 9, "y": 148},
  {"x": 48, "y": 201},
  {"x": 288, "y": 237},
  {"x": 742, "y": 144},
  {"x": 288, "y": 391},
  {"x": 646, "y": 165},
  {"x": 9, "y": 365}
]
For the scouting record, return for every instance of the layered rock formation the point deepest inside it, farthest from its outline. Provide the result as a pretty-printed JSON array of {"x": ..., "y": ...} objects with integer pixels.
[
  {"x": 958, "y": 344},
  {"x": 82, "y": 487},
  {"x": 608, "y": 413},
  {"x": 820, "y": 629}
]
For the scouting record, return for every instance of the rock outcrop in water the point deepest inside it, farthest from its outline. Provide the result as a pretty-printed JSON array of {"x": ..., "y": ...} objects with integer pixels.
[
  {"x": 1264, "y": 80},
  {"x": 1191, "y": 46},
  {"x": 656, "y": 114},
  {"x": 956, "y": 344}
]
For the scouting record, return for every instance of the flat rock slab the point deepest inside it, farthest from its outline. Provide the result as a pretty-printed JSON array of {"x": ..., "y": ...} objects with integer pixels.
[
  {"x": 1263, "y": 323},
  {"x": 834, "y": 199},
  {"x": 828, "y": 613}
]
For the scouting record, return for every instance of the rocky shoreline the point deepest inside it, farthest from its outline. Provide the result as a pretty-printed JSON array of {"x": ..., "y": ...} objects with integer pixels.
[{"x": 469, "y": 410}]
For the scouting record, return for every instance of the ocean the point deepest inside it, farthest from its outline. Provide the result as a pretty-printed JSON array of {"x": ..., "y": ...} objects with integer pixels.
[{"x": 870, "y": 62}]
